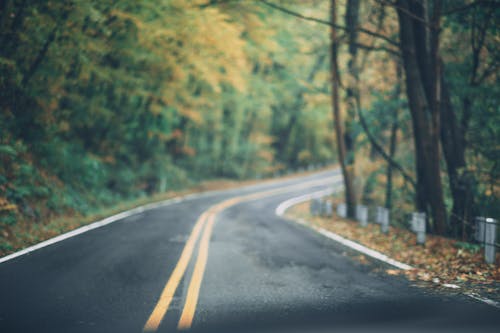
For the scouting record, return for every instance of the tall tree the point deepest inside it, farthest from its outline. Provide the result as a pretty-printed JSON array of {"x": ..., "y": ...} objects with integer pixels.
[
  {"x": 419, "y": 43},
  {"x": 393, "y": 135},
  {"x": 352, "y": 96},
  {"x": 346, "y": 161},
  {"x": 481, "y": 62}
]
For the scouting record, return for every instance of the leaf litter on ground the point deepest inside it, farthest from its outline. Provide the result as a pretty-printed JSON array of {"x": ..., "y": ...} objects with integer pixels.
[{"x": 440, "y": 263}]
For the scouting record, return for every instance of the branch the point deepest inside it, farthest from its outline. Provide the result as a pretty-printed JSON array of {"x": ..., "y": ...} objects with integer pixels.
[
  {"x": 307, "y": 18},
  {"x": 372, "y": 47},
  {"x": 317, "y": 66},
  {"x": 215, "y": 3},
  {"x": 325, "y": 22},
  {"x": 45, "y": 47},
  {"x": 40, "y": 56},
  {"x": 382, "y": 152},
  {"x": 469, "y": 6},
  {"x": 491, "y": 69},
  {"x": 405, "y": 11},
  {"x": 476, "y": 48},
  {"x": 378, "y": 48}
]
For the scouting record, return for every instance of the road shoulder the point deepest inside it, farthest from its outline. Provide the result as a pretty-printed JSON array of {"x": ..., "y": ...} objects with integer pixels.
[{"x": 440, "y": 265}]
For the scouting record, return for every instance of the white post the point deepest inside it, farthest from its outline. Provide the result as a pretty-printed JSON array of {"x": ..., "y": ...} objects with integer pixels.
[
  {"x": 486, "y": 232},
  {"x": 378, "y": 215},
  {"x": 327, "y": 208},
  {"x": 384, "y": 224},
  {"x": 418, "y": 226},
  {"x": 480, "y": 224},
  {"x": 362, "y": 215},
  {"x": 342, "y": 210},
  {"x": 315, "y": 207}
]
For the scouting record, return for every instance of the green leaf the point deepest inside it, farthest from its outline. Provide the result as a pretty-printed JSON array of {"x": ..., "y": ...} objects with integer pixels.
[{"x": 8, "y": 150}]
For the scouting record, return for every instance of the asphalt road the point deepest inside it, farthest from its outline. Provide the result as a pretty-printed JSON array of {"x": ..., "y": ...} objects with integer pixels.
[{"x": 261, "y": 274}]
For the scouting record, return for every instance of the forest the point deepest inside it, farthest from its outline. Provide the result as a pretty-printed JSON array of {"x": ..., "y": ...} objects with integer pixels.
[{"x": 107, "y": 101}]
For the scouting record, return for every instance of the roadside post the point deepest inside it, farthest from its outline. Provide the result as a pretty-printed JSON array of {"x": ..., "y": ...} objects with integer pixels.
[
  {"x": 362, "y": 215},
  {"x": 382, "y": 218},
  {"x": 486, "y": 231},
  {"x": 378, "y": 215},
  {"x": 327, "y": 208},
  {"x": 315, "y": 207},
  {"x": 342, "y": 210},
  {"x": 418, "y": 226}
]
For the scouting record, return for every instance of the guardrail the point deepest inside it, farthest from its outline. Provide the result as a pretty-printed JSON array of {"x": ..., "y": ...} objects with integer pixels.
[{"x": 485, "y": 228}]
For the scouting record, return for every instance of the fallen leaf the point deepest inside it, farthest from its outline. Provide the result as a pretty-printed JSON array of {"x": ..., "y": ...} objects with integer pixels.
[{"x": 393, "y": 271}]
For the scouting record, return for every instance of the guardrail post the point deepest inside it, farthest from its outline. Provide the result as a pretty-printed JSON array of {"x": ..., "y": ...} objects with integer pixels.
[
  {"x": 418, "y": 226},
  {"x": 342, "y": 210},
  {"x": 315, "y": 207},
  {"x": 362, "y": 215},
  {"x": 490, "y": 238},
  {"x": 479, "y": 234},
  {"x": 486, "y": 232},
  {"x": 327, "y": 208},
  {"x": 382, "y": 218},
  {"x": 378, "y": 215}
]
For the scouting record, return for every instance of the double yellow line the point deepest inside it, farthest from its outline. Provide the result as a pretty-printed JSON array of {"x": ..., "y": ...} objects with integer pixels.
[{"x": 205, "y": 224}]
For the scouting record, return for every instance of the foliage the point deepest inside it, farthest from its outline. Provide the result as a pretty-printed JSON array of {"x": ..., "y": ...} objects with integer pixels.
[{"x": 105, "y": 101}]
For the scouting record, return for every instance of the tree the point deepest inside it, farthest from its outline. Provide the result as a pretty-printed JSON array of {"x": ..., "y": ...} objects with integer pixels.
[
  {"x": 346, "y": 161},
  {"x": 479, "y": 64},
  {"x": 419, "y": 40}
]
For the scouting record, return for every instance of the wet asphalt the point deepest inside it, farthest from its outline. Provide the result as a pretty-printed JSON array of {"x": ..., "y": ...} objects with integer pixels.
[{"x": 264, "y": 274}]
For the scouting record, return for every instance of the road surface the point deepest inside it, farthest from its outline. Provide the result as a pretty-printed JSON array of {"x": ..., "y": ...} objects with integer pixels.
[{"x": 220, "y": 262}]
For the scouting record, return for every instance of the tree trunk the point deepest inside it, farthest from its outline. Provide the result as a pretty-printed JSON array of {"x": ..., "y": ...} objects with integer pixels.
[
  {"x": 337, "y": 118},
  {"x": 460, "y": 180},
  {"x": 421, "y": 67},
  {"x": 393, "y": 137},
  {"x": 454, "y": 130},
  {"x": 392, "y": 152},
  {"x": 39, "y": 58},
  {"x": 352, "y": 93}
]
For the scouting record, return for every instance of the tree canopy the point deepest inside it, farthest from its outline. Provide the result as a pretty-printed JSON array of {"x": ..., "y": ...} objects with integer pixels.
[{"x": 102, "y": 101}]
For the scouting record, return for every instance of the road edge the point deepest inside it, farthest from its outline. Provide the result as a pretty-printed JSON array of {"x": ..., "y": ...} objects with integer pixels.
[
  {"x": 282, "y": 207},
  {"x": 95, "y": 225},
  {"x": 280, "y": 211},
  {"x": 140, "y": 209}
]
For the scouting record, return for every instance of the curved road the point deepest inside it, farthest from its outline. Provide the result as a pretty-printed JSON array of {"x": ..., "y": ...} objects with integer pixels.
[{"x": 220, "y": 262}]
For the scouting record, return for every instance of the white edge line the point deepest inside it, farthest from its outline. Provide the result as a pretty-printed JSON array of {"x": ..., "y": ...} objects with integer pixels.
[
  {"x": 363, "y": 249},
  {"x": 484, "y": 300},
  {"x": 97, "y": 224},
  {"x": 123, "y": 215},
  {"x": 280, "y": 210}
]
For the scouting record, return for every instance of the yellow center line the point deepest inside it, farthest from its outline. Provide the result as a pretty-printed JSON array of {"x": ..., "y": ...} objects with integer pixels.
[
  {"x": 168, "y": 292},
  {"x": 193, "y": 293},
  {"x": 206, "y": 223},
  {"x": 192, "y": 296},
  {"x": 195, "y": 284}
]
